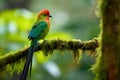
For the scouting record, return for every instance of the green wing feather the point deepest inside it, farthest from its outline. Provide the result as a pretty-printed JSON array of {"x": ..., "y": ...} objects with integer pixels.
[
  {"x": 35, "y": 34},
  {"x": 37, "y": 30}
]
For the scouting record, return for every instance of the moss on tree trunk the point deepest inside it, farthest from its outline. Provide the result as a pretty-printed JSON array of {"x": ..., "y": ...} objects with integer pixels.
[{"x": 108, "y": 64}]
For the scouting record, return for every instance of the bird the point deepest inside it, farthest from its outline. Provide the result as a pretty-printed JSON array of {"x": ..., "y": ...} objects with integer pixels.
[{"x": 39, "y": 30}]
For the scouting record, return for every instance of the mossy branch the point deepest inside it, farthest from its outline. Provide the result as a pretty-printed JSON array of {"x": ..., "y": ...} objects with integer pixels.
[{"x": 50, "y": 45}]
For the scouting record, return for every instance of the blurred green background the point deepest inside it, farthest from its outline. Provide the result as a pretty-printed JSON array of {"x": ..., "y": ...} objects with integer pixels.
[{"x": 72, "y": 19}]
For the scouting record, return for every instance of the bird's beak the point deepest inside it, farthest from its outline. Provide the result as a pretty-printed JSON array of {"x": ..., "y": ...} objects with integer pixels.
[{"x": 50, "y": 16}]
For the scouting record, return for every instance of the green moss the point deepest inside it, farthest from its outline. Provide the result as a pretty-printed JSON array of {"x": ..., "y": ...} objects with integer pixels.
[
  {"x": 77, "y": 46},
  {"x": 77, "y": 55},
  {"x": 13, "y": 62},
  {"x": 102, "y": 5},
  {"x": 98, "y": 67},
  {"x": 47, "y": 47},
  {"x": 8, "y": 70}
]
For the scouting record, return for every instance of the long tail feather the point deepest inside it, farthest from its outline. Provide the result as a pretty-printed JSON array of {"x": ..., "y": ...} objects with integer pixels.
[{"x": 28, "y": 63}]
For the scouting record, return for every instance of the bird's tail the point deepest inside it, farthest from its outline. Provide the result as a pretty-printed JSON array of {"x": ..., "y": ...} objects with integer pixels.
[{"x": 28, "y": 63}]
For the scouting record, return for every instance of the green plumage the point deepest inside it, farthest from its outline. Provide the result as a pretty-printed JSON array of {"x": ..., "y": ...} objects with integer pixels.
[{"x": 39, "y": 31}]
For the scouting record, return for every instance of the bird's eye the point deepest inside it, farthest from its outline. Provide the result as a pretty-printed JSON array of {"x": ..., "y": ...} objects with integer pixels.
[{"x": 44, "y": 14}]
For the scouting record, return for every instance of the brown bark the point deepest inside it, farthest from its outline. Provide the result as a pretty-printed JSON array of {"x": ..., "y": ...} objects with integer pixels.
[{"x": 110, "y": 40}]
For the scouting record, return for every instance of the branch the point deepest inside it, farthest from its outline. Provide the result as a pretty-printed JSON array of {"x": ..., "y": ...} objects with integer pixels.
[{"x": 50, "y": 45}]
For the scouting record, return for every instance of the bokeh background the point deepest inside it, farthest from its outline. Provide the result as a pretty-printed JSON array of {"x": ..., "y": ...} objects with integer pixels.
[{"x": 71, "y": 19}]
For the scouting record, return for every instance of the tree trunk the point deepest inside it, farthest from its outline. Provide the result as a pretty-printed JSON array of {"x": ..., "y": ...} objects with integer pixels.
[{"x": 108, "y": 67}]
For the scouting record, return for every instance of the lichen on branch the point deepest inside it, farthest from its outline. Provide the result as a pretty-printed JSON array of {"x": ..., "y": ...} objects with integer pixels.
[{"x": 51, "y": 45}]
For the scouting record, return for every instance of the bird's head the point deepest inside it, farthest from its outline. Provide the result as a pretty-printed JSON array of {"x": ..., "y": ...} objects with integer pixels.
[{"x": 43, "y": 14}]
